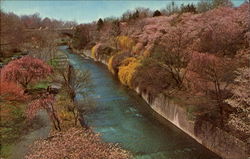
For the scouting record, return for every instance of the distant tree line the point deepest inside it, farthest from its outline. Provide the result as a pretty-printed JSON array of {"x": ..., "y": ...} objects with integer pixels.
[
  {"x": 27, "y": 32},
  {"x": 87, "y": 33}
]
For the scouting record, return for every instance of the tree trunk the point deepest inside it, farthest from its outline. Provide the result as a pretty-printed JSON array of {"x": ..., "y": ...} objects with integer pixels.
[
  {"x": 219, "y": 102},
  {"x": 57, "y": 121}
]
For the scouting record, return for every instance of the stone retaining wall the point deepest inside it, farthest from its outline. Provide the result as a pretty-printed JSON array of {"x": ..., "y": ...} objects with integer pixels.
[{"x": 214, "y": 138}]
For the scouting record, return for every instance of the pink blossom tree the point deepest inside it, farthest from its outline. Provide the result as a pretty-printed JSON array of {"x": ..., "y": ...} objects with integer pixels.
[
  {"x": 211, "y": 74},
  {"x": 11, "y": 91},
  {"x": 25, "y": 70},
  {"x": 240, "y": 100},
  {"x": 46, "y": 103}
]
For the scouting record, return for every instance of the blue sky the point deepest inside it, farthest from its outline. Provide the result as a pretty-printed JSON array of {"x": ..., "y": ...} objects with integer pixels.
[{"x": 83, "y": 11}]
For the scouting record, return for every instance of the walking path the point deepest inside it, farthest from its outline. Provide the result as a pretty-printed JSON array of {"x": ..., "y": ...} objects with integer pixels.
[{"x": 22, "y": 147}]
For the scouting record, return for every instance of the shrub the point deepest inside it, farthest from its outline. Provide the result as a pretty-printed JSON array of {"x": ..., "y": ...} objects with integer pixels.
[
  {"x": 116, "y": 60},
  {"x": 101, "y": 50},
  {"x": 127, "y": 70},
  {"x": 125, "y": 43}
]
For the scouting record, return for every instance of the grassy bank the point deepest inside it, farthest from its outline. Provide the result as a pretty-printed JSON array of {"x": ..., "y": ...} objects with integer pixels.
[{"x": 20, "y": 129}]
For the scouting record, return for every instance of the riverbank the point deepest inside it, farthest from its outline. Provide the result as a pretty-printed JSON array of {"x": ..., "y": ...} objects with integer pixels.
[
  {"x": 17, "y": 132},
  {"x": 22, "y": 137},
  {"x": 207, "y": 134},
  {"x": 74, "y": 140},
  {"x": 22, "y": 147}
]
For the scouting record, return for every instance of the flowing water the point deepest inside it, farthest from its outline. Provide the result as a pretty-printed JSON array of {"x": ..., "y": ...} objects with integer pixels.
[{"x": 122, "y": 117}]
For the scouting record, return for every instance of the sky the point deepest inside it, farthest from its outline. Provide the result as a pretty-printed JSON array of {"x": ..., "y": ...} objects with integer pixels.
[{"x": 84, "y": 11}]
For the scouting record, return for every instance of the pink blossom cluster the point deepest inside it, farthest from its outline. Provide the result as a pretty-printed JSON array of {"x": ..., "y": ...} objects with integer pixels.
[{"x": 25, "y": 70}]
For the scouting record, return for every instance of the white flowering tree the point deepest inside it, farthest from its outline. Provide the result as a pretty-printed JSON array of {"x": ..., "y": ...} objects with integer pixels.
[{"x": 241, "y": 101}]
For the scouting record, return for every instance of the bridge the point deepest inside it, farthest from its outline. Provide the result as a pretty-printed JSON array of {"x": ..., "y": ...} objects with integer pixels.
[
  {"x": 66, "y": 31},
  {"x": 62, "y": 31}
]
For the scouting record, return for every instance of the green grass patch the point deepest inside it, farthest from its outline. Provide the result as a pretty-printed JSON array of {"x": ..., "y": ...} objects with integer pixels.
[
  {"x": 40, "y": 85},
  {"x": 12, "y": 125},
  {"x": 53, "y": 63},
  {"x": 6, "y": 150}
]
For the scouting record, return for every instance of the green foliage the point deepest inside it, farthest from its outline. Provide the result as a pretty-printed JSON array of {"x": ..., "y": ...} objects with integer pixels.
[
  {"x": 40, "y": 85},
  {"x": 6, "y": 150},
  {"x": 53, "y": 63}
]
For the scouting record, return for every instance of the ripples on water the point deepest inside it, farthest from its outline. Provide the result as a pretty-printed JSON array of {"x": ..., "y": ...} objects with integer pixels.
[{"x": 123, "y": 117}]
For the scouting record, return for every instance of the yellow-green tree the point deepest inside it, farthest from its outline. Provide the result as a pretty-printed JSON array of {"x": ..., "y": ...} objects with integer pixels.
[{"x": 127, "y": 70}]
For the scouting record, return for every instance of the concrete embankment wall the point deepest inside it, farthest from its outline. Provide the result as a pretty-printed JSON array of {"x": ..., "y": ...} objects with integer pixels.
[{"x": 215, "y": 139}]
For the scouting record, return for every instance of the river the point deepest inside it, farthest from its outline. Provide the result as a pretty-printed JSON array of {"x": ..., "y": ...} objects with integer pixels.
[{"x": 122, "y": 117}]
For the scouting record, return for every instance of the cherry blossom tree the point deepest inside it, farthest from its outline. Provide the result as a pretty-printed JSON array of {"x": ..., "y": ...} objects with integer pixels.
[
  {"x": 25, "y": 70},
  {"x": 11, "y": 91},
  {"x": 172, "y": 53},
  {"x": 241, "y": 100},
  {"x": 45, "y": 102},
  {"x": 211, "y": 74}
]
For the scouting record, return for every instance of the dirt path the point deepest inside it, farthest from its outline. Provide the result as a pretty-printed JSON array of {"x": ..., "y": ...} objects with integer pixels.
[{"x": 22, "y": 147}]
